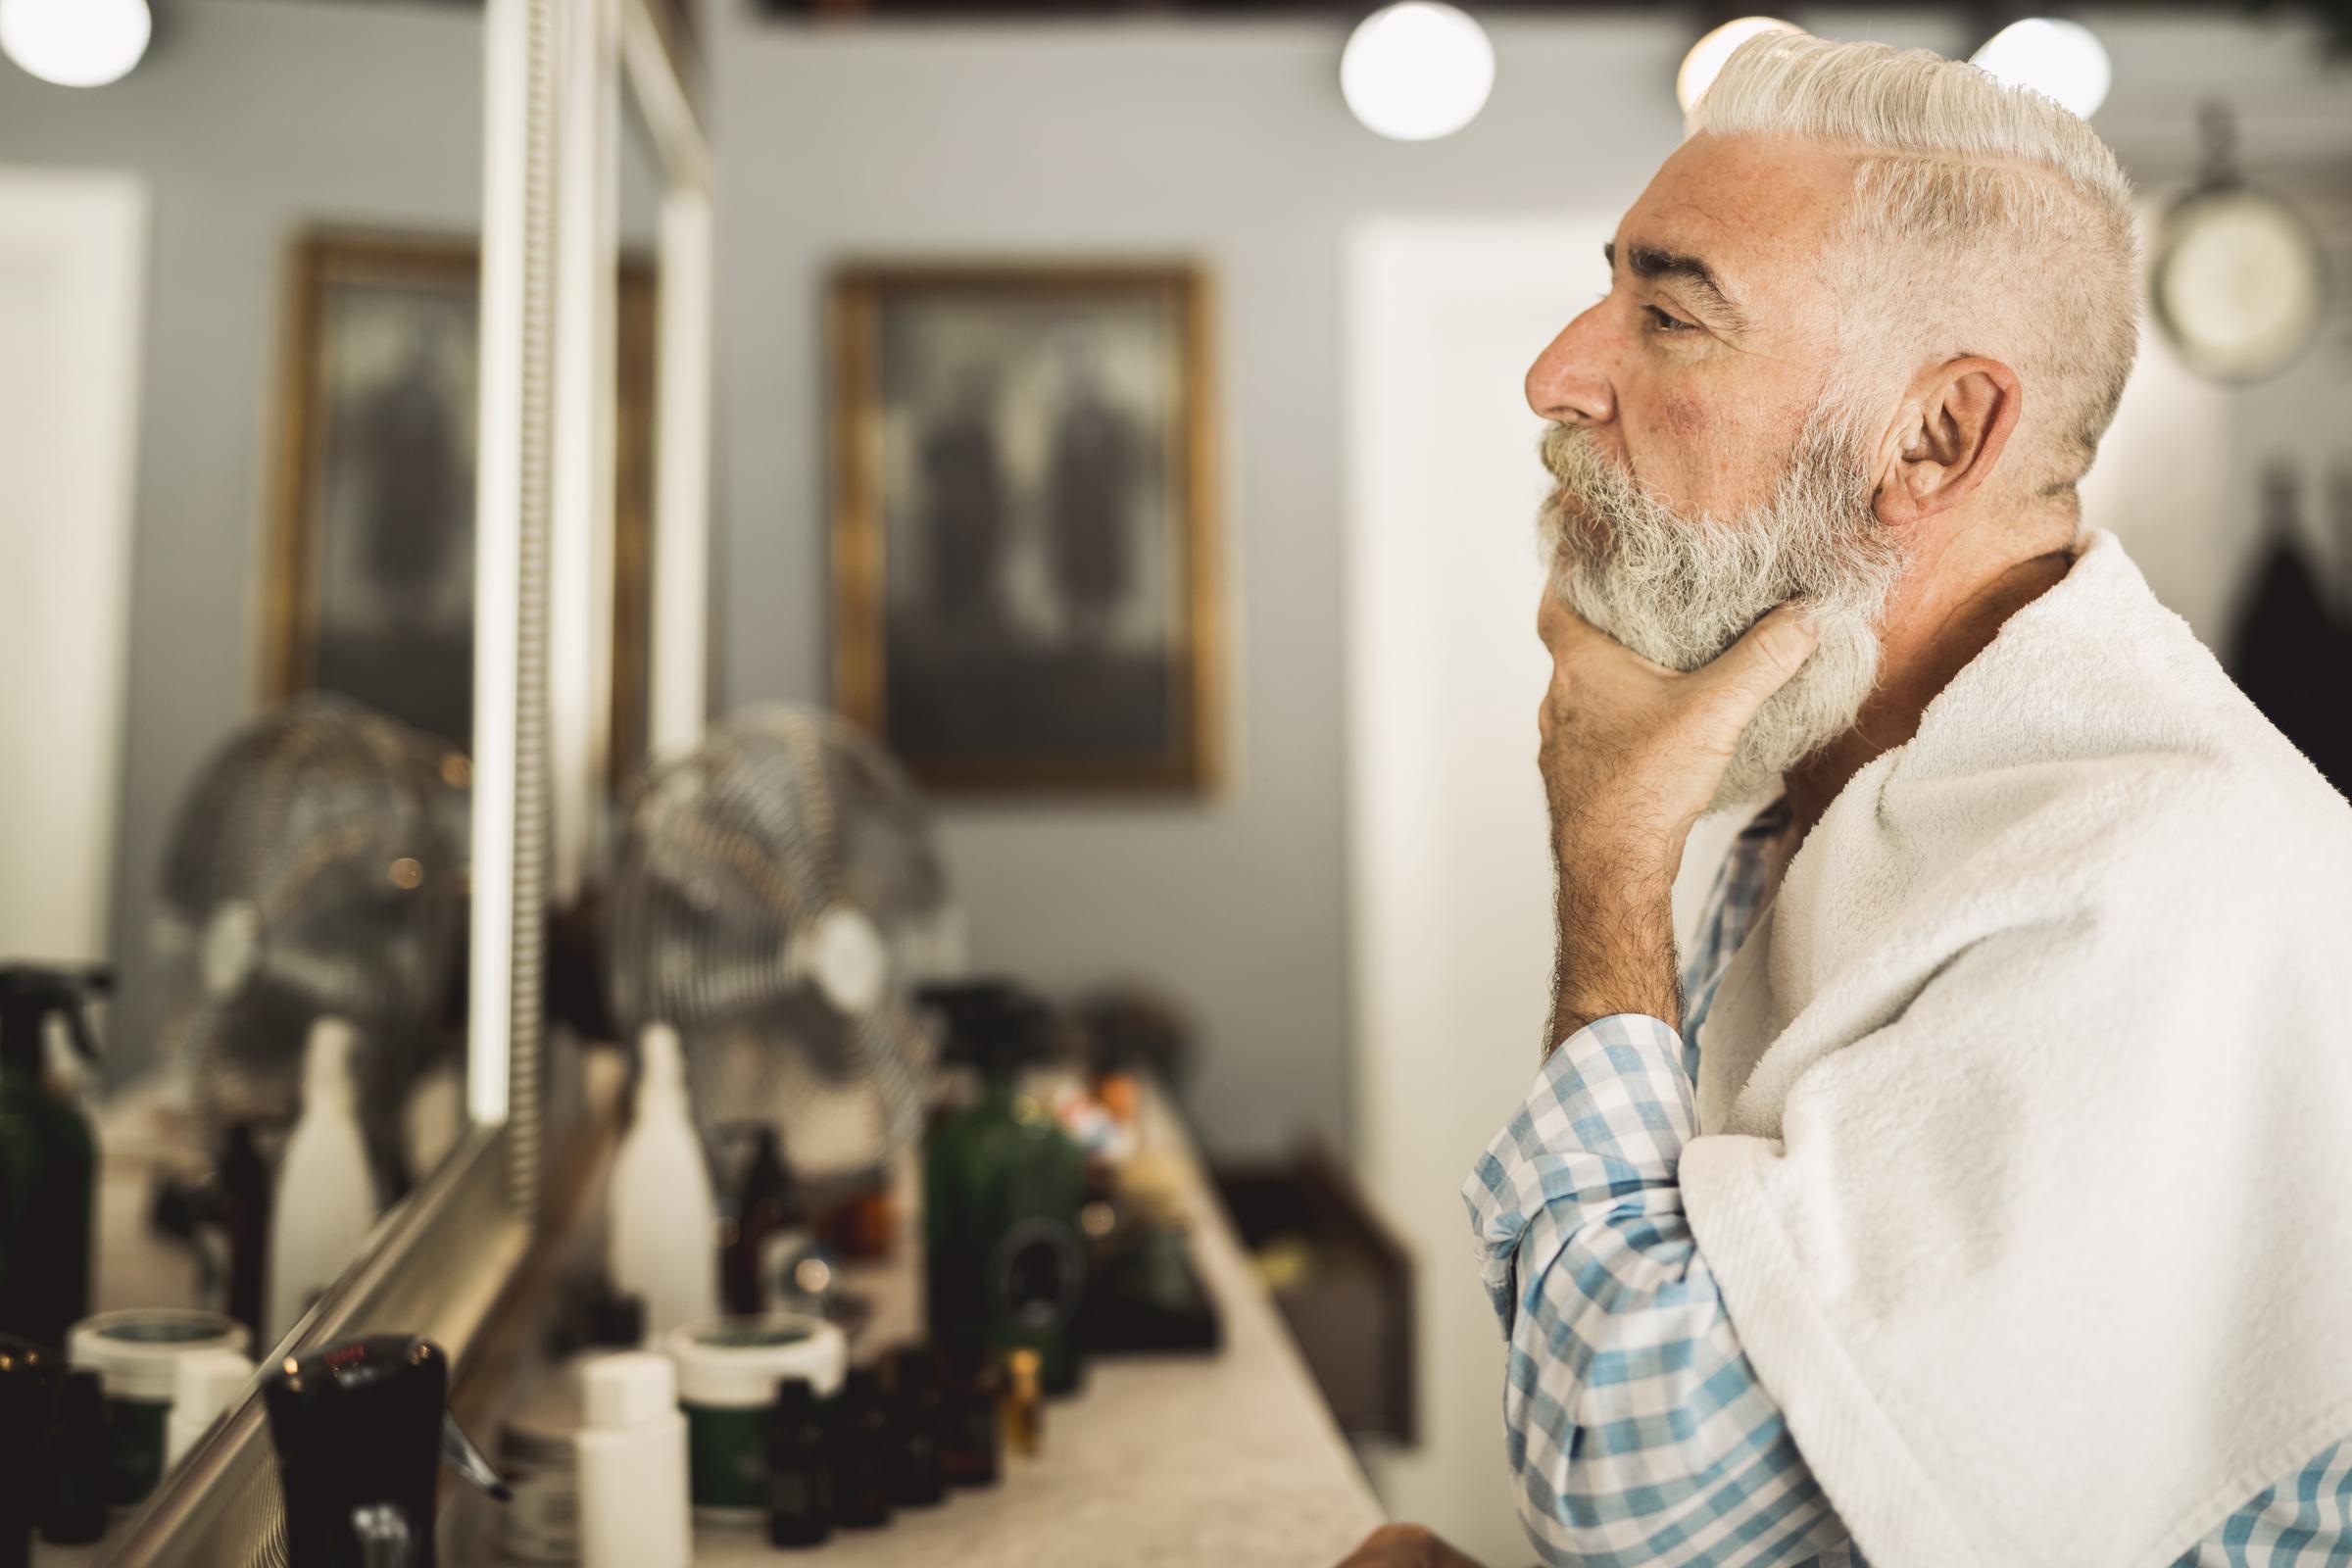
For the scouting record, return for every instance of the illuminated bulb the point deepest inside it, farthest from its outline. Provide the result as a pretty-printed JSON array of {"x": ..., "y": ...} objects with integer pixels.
[
  {"x": 1417, "y": 71},
  {"x": 1704, "y": 63},
  {"x": 75, "y": 43},
  {"x": 2064, "y": 60}
]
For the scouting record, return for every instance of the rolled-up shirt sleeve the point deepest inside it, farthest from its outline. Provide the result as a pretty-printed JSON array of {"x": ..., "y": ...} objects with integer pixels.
[{"x": 1636, "y": 1431}]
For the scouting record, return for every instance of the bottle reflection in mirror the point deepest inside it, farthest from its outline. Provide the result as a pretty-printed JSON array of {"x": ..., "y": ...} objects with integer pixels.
[
  {"x": 48, "y": 1157},
  {"x": 28, "y": 1399},
  {"x": 326, "y": 1190},
  {"x": 74, "y": 1464}
]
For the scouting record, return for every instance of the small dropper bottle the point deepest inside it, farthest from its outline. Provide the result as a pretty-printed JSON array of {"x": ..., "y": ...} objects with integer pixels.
[
  {"x": 1024, "y": 1403},
  {"x": 971, "y": 1443},
  {"x": 916, "y": 1481},
  {"x": 326, "y": 1196},
  {"x": 799, "y": 1472},
  {"x": 859, "y": 1434}
]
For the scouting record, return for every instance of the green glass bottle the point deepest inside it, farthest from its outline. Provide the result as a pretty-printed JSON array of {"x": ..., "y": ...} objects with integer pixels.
[
  {"x": 48, "y": 1161},
  {"x": 1002, "y": 1185}
]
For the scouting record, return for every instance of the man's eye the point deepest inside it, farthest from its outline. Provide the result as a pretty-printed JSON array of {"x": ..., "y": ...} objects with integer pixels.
[{"x": 1662, "y": 322}]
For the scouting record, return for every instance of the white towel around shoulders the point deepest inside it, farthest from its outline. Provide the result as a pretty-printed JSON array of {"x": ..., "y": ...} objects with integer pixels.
[{"x": 2025, "y": 1153}]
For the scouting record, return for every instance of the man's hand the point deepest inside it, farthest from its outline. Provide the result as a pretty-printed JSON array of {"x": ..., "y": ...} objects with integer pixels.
[
  {"x": 1631, "y": 752},
  {"x": 1405, "y": 1547}
]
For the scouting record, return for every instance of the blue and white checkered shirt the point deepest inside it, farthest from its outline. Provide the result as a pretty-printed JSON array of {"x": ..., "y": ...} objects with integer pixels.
[{"x": 1636, "y": 1426}]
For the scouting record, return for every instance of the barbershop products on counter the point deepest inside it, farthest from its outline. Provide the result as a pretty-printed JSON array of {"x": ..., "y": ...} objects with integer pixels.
[
  {"x": 800, "y": 1469},
  {"x": 325, "y": 1192},
  {"x": 240, "y": 1214},
  {"x": 48, "y": 1160},
  {"x": 1001, "y": 1189},
  {"x": 633, "y": 1465},
  {"x": 360, "y": 1429},
  {"x": 728, "y": 1372},
  {"x": 664, "y": 1216},
  {"x": 136, "y": 1356}
]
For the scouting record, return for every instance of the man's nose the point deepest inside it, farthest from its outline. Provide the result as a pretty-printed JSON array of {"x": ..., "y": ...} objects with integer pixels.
[{"x": 1567, "y": 384}]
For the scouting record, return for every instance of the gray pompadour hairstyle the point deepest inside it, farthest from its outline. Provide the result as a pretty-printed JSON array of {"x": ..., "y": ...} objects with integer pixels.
[{"x": 1969, "y": 195}]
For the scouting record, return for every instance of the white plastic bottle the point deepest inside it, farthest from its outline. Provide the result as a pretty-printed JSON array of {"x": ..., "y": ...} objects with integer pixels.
[
  {"x": 665, "y": 1217},
  {"x": 633, "y": 1465},
  {"x": 325, "y": 1192}
]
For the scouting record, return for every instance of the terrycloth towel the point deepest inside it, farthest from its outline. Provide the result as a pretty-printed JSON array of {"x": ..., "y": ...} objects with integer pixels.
[{"x": 2027, "y": 1109}]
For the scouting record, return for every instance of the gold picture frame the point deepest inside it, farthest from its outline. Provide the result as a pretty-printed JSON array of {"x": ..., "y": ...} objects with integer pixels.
[
  {"x": 1024, "y": 555},
  {"x": 356, "y": 301}
]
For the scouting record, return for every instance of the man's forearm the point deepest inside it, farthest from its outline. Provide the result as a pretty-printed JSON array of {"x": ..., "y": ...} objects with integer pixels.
[{"x": 1616, "y": 952}]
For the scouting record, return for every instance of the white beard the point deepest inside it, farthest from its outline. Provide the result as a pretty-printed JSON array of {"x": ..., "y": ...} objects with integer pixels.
[{"x": 1679, "y": 590}]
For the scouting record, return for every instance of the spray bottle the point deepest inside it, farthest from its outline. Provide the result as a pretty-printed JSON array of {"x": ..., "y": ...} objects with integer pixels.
[
  {"x": 1004, "y": 1265},
  {"x": 48, "y": 1158}
]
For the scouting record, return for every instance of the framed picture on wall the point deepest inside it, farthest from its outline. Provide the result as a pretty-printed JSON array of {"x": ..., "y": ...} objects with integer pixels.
[
  {"x": 370, "y": 585},
  {"x": 1024, "y": 556}
]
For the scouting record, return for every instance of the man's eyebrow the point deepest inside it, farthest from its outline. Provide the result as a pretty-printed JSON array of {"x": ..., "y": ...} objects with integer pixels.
[{"x": 1649, "y": 261}]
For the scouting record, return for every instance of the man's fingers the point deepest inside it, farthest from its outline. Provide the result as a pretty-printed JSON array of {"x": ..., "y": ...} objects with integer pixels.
[
  {"x": 1763, "y": 660},
  {"x": 1564, "y": 631}
]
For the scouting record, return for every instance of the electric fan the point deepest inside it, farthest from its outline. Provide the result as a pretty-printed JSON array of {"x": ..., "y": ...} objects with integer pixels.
[
  {"x": 315, "y": 869},
  {"x": 776, "y": 899}
]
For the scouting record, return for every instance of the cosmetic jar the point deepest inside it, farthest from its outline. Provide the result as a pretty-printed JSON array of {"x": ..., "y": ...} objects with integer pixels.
[
  {"x": 728, "y": 1369},
  {"x": 136, "y": 1354}
]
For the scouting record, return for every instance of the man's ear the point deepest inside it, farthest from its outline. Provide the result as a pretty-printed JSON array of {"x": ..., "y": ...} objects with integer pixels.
[{"x": 1957, "y": 420}]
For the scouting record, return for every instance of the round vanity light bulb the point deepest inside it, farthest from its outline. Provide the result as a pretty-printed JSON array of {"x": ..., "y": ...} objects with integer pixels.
[
  {"x": 75, "y": 43},
  {"x": 1705, "y": 60},
  {"x": 1417, "y": 71},
  {"x": 2061, "y": 60}
]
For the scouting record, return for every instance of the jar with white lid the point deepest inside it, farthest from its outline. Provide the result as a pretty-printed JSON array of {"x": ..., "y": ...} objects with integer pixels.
[
  {"x": 136, "y": 1354},
  {"x": 728, "y": 1369}
]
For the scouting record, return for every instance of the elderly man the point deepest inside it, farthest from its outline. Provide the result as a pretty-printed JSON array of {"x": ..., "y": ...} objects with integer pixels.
[{"x": 1980, "y": 1191}]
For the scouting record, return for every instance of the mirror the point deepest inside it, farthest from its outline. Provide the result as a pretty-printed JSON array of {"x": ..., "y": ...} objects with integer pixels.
[{"x": 239, "y": 377}]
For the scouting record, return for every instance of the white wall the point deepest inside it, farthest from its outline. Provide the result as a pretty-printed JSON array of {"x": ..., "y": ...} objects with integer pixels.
[
  {"x": 70, "y": 258},
  {"x": 1451, "y": 929},
  {"x": 249, "y": 120}
]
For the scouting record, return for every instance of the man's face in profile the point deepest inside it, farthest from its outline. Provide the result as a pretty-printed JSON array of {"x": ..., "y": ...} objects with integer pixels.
[{"x": 1710, "y": 455}]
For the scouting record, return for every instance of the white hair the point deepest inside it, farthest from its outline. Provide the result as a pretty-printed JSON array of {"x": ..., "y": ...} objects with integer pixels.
[{"x": 1986, "y": 220}]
